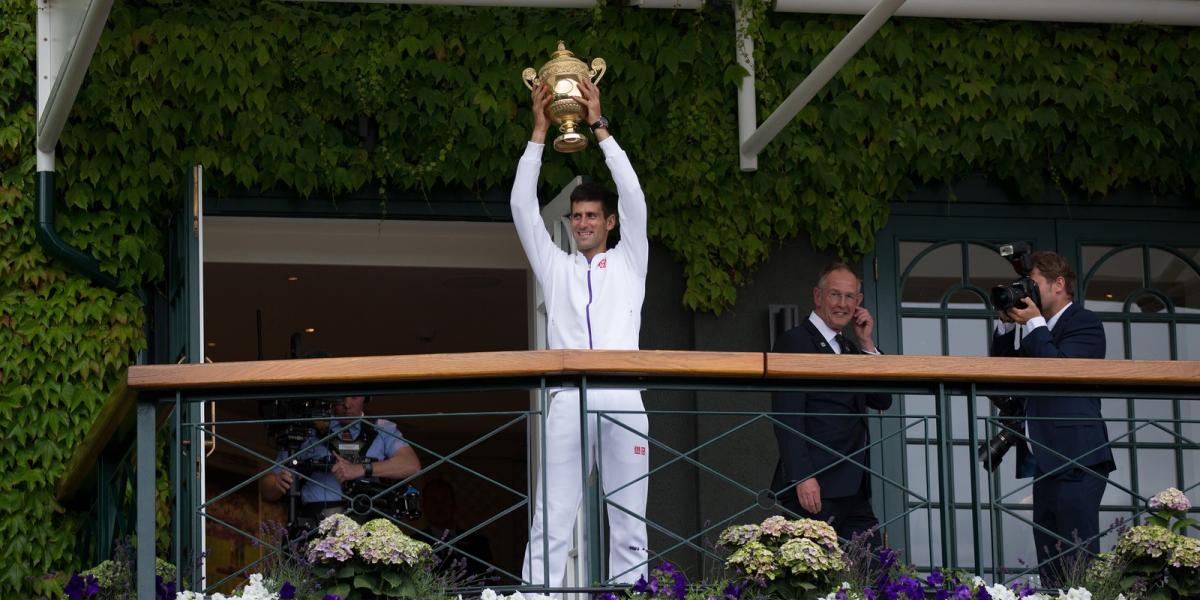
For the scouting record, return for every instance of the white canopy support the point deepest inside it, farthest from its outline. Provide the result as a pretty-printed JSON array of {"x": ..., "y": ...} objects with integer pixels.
[
  {"x": 681, "y": 4},
  {"x": 752, "y": 140},
  {"x": 753, "y": 143},
  {"x": 1149, "y": 12},
  {"x": 67, "y": 34}
]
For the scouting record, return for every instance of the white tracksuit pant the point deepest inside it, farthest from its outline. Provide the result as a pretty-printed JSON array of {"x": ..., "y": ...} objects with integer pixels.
[{"x": 624, "y": 458}]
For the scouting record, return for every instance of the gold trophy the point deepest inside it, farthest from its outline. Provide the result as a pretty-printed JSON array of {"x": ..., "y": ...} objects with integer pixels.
[{"x": 563, "y": 73}]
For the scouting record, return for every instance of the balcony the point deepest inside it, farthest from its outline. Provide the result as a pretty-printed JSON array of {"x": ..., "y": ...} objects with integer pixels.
[{"x": 710, "y": 441}]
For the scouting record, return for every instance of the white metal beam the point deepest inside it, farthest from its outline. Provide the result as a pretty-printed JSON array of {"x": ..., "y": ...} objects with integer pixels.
[
  {"x": 680, "y": 4},
  {"x": 747, "y": 109},
  {"x": 496, "y": 3},
  {"x": 1150, "y": 12},
  {"x": 67, "y": 34},
  {"x": 825, "y": 70}
]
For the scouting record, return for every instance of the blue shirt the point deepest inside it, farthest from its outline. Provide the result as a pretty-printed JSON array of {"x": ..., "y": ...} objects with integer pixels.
[{"x": 324, "y": 487}]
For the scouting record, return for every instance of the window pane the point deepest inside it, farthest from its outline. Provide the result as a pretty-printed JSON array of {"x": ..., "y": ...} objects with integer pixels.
[
  {"x": 1156, "y": 471},
  {"x": 1118, "y": 276},
  {"x": 1091, "y": 254},
  {"x": 1114, "y": 336},
  {"x": 934, "y": 274},
  {"x": 909, "y": 251},
  {"x": 1175, "y": 279},
  {"x": 1147, "y": 304},
  {"x": 1187, "y": 340},
  {"x": 922, "y": 336},
  {"x": 988, "y": 269},
  {"x": 1150, "y": 341},
  {"x": 1120, "y": 477},
  {"x": 969, "y": 337},
  {"x": 966, "y": 299},
  {"x": 1155, "y": 422}
]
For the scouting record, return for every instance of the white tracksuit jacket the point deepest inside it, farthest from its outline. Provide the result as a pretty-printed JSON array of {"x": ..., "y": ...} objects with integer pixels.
[{"x": 589, "y": 306}]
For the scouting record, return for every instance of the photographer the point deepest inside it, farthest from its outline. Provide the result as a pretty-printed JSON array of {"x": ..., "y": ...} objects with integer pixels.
[
  {"x": 1066, "y": 495},
  {"x": 386, "y": 456}
]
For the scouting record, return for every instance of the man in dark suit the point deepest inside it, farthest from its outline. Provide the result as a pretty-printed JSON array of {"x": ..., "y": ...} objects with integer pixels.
[
  {"x": 1066, "y": 494},
  {"x": 812, "y": 479}
]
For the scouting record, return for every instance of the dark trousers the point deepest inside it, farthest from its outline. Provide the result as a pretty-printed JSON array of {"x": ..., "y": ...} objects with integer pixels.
[
  {"x": 1066, "y": 504},
  {"x": 850, "y": 516}
]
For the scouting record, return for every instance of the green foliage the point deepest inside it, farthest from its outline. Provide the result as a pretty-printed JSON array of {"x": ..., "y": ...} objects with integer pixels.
[
  {"x": 269, "y": 95},
  {"x": 63, "y": 342}
]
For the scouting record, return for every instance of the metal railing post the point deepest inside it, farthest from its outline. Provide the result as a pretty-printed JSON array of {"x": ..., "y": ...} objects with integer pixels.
[
  {"x": 945, "y": 446},
  {"x": 976, "y": 510},
  {"x": 145, "y": 499},
  {"x": 591, "y": 492}
]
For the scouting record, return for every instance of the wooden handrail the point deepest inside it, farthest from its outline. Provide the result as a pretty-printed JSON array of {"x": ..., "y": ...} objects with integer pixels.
[
  {"x": 429, "y": 367},
  {"x": 662, "y": 363},
  {"x": 650, "y": 363},
  {"x": 982, "y": 369}
]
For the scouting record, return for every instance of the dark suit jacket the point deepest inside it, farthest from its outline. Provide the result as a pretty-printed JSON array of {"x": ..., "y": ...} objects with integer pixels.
[
  {"x": 845, "y": 435},
  {"x": 1081, "y": 435}
]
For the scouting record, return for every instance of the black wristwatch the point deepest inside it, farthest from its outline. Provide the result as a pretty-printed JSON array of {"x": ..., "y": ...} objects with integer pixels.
[
  {"x": 601, "y": 123},
  {"x": 368, "y": 469}
]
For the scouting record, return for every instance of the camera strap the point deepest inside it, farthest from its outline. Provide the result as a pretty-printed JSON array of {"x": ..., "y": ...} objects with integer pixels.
[{"x": 367, "y": 432}]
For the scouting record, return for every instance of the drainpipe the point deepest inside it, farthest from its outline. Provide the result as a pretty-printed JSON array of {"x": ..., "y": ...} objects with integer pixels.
[{"x": 57, "y": 247}]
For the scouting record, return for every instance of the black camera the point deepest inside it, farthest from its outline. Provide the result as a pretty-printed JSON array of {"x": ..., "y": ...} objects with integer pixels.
[
  {"x": 365, "y": 496},
  {"x": 292, "y": 416},
  {"x": 1006, "y": 296},
  {"x": 1012, "y": 415}
]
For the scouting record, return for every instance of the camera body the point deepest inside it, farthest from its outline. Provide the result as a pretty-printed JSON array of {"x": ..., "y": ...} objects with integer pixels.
[
  {"x": 1012, "y": 412},
  {"x": 1024, "y": 289},
  {"x": 366, "y": 498},
  {"x": 292, "y": 414}
]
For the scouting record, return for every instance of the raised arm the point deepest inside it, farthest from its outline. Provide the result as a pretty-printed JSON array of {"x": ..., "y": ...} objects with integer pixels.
[
  {"x": 535, "y": 240},
  {"x": 631, "y": 201}
]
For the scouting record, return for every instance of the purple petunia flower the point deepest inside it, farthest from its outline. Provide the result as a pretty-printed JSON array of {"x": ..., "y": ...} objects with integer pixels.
[
  {"x": 733, "y": 591},
  {"x": 74, "y": 588},
  {"x": 332, "y": 597},
  {"x": 936, "y": 578},
  {"x": 287, "y": 591},
  {"x": 640, "y": 586}
]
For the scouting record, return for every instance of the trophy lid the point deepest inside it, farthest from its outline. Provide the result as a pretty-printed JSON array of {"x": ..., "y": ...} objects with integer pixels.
[{"x": 562, "y": 51}]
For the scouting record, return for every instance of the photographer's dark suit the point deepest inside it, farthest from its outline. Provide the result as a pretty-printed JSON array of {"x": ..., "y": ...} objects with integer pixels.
[
  {"x": 1066, "y": 498},
  {"x": 845, "y": 488}
]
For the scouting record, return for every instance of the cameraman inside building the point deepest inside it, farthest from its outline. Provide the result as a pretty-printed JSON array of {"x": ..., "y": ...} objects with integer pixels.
[{"x": 326, "y": 466}]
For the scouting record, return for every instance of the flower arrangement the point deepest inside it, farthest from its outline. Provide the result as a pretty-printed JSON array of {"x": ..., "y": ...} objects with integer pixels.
[
  {"x": 1171, "y": 505},
  {"x": 113, "y": 579},
  {"x": 788, "y": 558},
  {"x": 668, "y": 583},
  {"x": 373, "y": 560},
  {"x": 1154, "y": 560}
]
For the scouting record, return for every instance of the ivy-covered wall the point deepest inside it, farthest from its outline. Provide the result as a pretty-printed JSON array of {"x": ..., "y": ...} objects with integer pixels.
[{"x": 269, "y": 95}]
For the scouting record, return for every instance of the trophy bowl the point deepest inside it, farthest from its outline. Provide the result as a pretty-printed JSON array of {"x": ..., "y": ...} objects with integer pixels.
[{"x": 563, "y": 74}]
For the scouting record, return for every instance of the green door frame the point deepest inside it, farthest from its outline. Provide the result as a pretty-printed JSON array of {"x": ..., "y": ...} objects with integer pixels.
[{"x": 185, "y": 343}]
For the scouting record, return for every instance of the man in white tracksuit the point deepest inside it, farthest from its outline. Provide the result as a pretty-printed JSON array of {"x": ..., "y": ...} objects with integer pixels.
[{"x": 593, "y": 300}]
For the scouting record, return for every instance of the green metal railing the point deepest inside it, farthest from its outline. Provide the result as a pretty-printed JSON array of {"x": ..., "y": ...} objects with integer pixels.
[{"x": 973, "y": 523}]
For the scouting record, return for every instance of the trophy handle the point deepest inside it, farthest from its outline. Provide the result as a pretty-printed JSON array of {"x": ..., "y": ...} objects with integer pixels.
[
  {"x": 598, "y": 69},
  {"x": 529, "y": 77}
]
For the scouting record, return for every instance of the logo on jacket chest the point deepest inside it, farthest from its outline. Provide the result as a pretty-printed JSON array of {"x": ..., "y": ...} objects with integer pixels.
[{"x": 602, "y": 264}]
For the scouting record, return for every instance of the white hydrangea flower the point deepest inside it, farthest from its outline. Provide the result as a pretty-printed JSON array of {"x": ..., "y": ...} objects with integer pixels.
[
  {"x": 1075, "y": 594},
  {"x": 998, "y": 591},
  {"x": 488, "y": 594}
]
